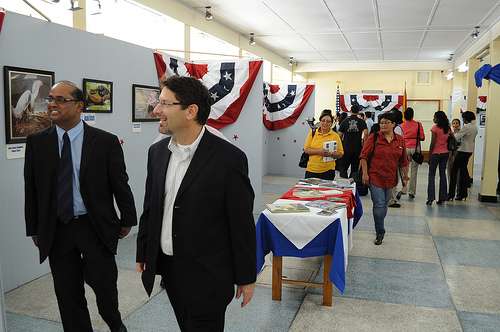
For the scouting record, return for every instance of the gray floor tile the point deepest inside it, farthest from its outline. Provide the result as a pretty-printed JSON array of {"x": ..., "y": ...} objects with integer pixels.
[
  {"x": 404, "y": 247},
  {"x": 275, "y": 188},
  {"x": 396, "y": 224},
  {"x": 465, "y": 228},
  {"x": 361, "y": 315},
  {"x": 421, "y": 284},
  {"x": 474, "y": 289},
  {"x": 307, "y": 274},
  {"x": 21, "y": 323},
  {"x": 264, "y": 314},
  {"x": 457, "y": 251},
  {"x": 462, "y": 210},
  {"x": 474, "y": 322}
]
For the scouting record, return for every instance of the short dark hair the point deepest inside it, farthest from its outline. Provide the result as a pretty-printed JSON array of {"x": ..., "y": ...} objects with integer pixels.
[
  {"x": 368, "y": 114},
  {"x": 326, "y": 112},
  {"x": 76, "y": 93},
  {"x": 409, "y": 114},
  {"x": 355, "y": 109},
  {"x": 190, "y": 91},
  {"x": 387, "y": 115},
  {"x": 468, "y": 116},
  {"x": 398, "y": 115}
]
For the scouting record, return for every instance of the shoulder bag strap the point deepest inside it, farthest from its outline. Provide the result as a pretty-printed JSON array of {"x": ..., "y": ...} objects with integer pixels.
[{"x": 417, "y": 146}]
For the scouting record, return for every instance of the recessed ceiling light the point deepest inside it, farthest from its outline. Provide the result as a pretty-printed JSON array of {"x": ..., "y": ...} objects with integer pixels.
[
  {"x": 251, "y": 40},
  {"x": 208, "y": 13}
]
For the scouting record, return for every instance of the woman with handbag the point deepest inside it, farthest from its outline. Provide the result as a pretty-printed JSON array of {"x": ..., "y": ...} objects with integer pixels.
[
  {"x": 384, "y": 152},
  {"x": 413, "y": 134},
  {"x": 439, "y": 152},
  {"x": 466, "y": 138},
  {"x": 323, "y": 146}
]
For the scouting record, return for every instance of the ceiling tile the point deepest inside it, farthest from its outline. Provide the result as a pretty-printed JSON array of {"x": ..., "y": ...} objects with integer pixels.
[
  {"x": 357, "y": 14},
  {"x": 328, "y": 42},
  {"x": 307, "y": 56},
  {"x": 400, "y": 54},
  {"x": 464, "y": 12},
  {"x": 363, "y": 40},
  {"x": 339, "y": 56},
  {"x": 286, "y": 43},
  {"x": 443, "y": 39},
  {"x": 401, "y": 39},
  {"x": 368, "y": 55},
  {"x": 292, "y": 11},
  {"x": 434, "y": 54},
  {"x": 398, "y": 13}
]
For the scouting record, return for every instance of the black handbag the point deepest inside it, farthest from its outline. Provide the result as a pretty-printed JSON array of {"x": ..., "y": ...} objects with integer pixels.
[
  {"x": 417, "y": 156},
  {"x": 304, "y": 157}
]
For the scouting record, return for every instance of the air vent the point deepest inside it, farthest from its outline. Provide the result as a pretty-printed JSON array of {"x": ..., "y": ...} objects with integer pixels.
[{"x": 424, "y": 77}]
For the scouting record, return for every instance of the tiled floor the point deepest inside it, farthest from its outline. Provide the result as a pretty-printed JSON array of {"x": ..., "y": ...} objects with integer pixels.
[{"x": 438, "y": 270}]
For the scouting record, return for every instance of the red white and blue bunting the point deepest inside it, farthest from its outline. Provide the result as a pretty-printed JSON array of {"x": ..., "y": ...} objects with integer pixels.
[
  {"x": 229, "y": 83},
  {"x": 2, "y": 16},
  {"x": 283, "y": 104},
  {"x": 378, "y": 103}
]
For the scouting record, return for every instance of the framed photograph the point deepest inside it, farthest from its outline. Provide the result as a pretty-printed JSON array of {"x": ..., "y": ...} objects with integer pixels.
[
  {"x": 25, "y": 105},
  {"x": 98, "y": 96},
  {"x": 144, "y": 100}
]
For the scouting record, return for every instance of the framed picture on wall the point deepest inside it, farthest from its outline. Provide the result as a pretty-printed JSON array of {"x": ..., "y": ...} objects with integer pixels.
[
  {"x": 144, "y": 100},
  {"x": 25, "y": 104},
  {"x": 98, "y": 96}
]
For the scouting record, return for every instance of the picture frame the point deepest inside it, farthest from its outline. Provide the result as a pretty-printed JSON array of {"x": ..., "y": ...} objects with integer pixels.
[
  {"x": 144, "y": 100},
  {"x": 25, "y": 90},
  {"x": 98, "y": 96}
]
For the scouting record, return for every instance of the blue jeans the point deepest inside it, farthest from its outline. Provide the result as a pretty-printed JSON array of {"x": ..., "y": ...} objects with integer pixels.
[
  {"x": 437, "y": 159},
  {"x": 380, "y": 198}
]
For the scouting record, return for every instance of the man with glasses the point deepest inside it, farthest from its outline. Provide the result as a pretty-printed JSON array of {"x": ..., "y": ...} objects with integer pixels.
[
  {"x": 73, "y": 173},
  {"x": 197, "y": 229}
]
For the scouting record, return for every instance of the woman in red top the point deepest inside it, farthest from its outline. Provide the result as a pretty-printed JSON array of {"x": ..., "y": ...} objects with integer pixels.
[
  {"x": 383, "y": 153},
  {"x": 438, "y": 156},
  {"x": 411, "y": 129}
]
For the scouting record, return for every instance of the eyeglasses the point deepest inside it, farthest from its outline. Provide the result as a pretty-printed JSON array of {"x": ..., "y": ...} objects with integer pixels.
[
  {"x": 58, "y": 100},
  {"x": 326, "y": 121},
  {"x": 385, "y": 122},
  {"x": 165, "y": 104}
]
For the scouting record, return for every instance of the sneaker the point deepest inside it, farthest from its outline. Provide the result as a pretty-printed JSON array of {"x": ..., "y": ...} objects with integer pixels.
[{"x": 395, "y": 205}]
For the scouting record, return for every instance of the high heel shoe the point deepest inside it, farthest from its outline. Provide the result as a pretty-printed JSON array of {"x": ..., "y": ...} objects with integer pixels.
[
  {"x": 440, "y": 202},
  {"x": 450, "y": 198},
  {"x": 429, "y": 202}
]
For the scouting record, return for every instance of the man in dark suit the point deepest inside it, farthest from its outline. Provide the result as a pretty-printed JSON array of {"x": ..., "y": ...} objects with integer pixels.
[
  {"x": 197, "y": 228},
  {"x": 72, "y": 173}
]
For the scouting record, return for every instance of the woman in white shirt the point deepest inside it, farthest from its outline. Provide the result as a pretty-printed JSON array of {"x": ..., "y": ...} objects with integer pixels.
[{"x": 466, "y": 138}]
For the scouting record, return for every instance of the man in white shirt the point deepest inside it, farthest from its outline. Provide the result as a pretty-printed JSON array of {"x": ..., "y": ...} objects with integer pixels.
[{"x": 197, "y": 229}]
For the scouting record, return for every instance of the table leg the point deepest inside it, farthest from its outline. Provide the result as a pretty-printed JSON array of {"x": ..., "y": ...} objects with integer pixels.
[
  {"x": 277, "y": 277},
  {"x": 327, "y": 285}
]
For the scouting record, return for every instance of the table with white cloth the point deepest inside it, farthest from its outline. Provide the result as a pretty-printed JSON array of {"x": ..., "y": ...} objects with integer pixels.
[{"x": 308, "y": 234}]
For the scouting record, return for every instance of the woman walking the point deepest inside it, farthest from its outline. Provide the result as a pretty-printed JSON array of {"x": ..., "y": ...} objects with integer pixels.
[
  {"x": 323, "y": 146},
  {"x": 455, "y": 127},
  {"x": 466, "y": 138},
  {"x": 438, "y": 157},
  {"x": 413, "y": 134},
  {"x": 383, "y": 154}
]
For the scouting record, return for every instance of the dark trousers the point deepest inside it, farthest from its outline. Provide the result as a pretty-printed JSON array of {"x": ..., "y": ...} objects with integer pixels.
[
  {"x": 459, "y": 172},
  {"x": 349, "y": 159},
  {"x": 438, "y": 159},
  {"x": 190, "y": 294},
  {"x": 328, "y": 175},
  {"x": 78, "y": 256}
]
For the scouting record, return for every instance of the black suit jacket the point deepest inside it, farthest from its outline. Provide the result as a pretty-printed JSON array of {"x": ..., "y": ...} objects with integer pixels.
[
  {"x": 102, "y": 177},
  {"x": 212, "y": 226}
]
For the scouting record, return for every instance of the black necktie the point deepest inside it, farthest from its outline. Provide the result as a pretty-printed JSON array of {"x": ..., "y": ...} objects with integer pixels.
[{"x": 65, "y": 183}]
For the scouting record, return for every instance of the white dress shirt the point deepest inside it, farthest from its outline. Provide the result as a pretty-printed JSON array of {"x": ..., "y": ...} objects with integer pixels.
[{"x": 179, "y": 162}]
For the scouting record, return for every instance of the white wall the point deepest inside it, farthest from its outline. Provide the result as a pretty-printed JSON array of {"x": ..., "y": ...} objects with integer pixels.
[
  {"x": 74, "y": 55},
  {"x": 3, "y": 324},
  {"x": 284, "y": 146}
]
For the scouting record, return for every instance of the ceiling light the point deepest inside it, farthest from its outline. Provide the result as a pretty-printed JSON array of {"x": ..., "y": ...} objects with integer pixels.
[
  {"x": 450, "y": 58},
  {"x": 74, "y": 5},
  {"x": 291, "y": 61},
  {"x": 463, "y": 67},
  {"x": 208, "y": 14},
  {"x": 251, "y": 40},
  {"x": 475, "y": 33},
  {"x": 449, "y": 76}
]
